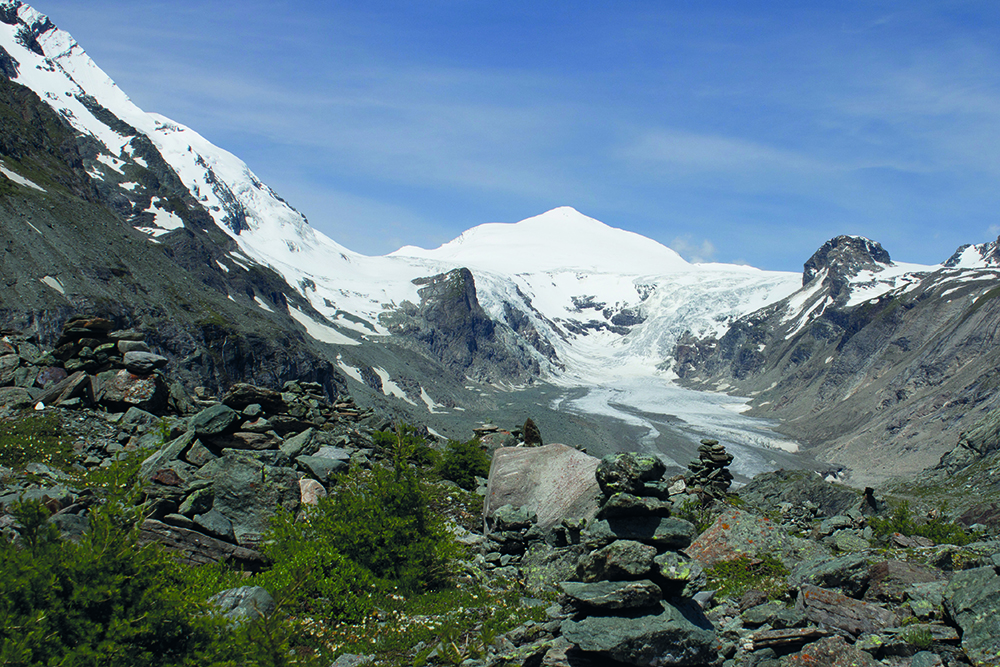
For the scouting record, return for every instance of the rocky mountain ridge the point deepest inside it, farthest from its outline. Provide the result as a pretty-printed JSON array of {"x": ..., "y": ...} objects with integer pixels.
[
  {"x": 109, "y": 210},
  {"x": 880, "y": 368}
]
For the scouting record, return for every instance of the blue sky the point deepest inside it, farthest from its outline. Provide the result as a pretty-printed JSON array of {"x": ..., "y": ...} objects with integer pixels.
[{"x": 731, "y": 131}]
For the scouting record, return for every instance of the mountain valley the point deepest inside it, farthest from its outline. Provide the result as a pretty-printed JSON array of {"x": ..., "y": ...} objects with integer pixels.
[{"x": 592, "y": 330}]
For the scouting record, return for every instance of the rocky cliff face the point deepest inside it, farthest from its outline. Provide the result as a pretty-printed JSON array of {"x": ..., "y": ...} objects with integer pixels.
[
  {"x": 451, "y": 326},
  {"x": 881, "y": 386}
]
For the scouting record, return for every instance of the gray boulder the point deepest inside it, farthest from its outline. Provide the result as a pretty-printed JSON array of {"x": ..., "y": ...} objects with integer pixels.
[
  {"x": 247, "y": 492},
  {"x": 246, "y": 603},
  {"x": 213, "y": 420},
  {"x": 555, "y": 482},
  {"x": 321, "y": 467},
  {"x": 848, "y": 573},
  {"x": 665, "y": 639},
  {"x": 682, "y": 574},
  {"x": 972, "y": 598},
  {"x": 624, "y": 559},
  {"x": 143, "y": 363}
]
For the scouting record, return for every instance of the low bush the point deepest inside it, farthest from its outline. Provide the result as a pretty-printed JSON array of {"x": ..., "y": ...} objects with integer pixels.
[
  {"x": 375, "y": 531},
  {"x": 462, "y": 462},
  {"x": 938, "y": 529},
  {"x": 103, "y": 601}
]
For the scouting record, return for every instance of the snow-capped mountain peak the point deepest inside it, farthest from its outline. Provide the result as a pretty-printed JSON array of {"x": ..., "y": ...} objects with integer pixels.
[
  {"x": 562, "y": 239},
  {"x": 978, "y": 256}
]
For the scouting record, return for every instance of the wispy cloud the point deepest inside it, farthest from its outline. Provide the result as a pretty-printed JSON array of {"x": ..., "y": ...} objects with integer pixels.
[
  {"x": 692, "y": 250},
  {"x": 680, "y": 151}
]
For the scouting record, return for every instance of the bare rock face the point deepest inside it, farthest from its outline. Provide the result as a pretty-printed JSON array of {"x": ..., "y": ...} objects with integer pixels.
[
  {"x": 844, "y": 256},
  {"x": 451, "y": 326},
  {"x": 555, "y": 481}
]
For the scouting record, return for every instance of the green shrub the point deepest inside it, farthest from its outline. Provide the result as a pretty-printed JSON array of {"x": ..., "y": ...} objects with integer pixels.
[
  {"x": 375, "y": 530},
  {"x": 104, "y": 601},
  {"x": 938, "y": 529},
  {"x": 920, "y": 638},
  {"x": 407, "y": 444},
  {"x": 733, "y": 578},
  {"x": 463, "y": 462}
]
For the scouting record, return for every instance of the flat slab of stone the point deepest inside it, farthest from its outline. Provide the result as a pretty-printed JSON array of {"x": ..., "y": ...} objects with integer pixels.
[
  {"x": 836, "y": 610},
  {"x": 663, "y": 532},
  {"x": 607, "y": 596},
  {"x": 664, "y": 639},
  {"x": 196, "y": 548},
  {"x": 786, "y": 638},
  {"x": 831, "y": 652},
  {"x": 555, "y": 482}
]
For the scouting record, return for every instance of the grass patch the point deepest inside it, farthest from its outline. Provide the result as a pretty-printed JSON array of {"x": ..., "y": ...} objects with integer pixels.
[
  {"x": 35, "y": 438},
  {"x": 733, "y": 578},
  {"x": 457, "y": 623}
]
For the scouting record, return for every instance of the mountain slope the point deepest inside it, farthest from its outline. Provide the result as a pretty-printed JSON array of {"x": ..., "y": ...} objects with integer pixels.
[{"x": 879, "y": 366}]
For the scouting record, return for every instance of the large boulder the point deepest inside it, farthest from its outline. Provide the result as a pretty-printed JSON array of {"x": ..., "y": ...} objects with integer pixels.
[
  {"x": 972, "y": 598},
  {"x": 738, "y": 533},
  {"x": 123, "y": 390},
  {"x": 664, "y": 639},
  {"x": 247, "y": 492},
  {"x": 555, "y": 482}
]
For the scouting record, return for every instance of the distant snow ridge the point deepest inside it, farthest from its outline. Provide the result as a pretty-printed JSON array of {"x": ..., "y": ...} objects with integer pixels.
[
  {"x": 562, "y": 239},
  {"x": 593, "y": 300},
  {"x": 50, "y": 62},
  {"x": 980, "y": 256}
]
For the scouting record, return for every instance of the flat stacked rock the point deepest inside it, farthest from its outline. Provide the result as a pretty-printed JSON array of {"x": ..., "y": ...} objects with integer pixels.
[
  {"x": 92, "y": 364},
  {"x": 633, "y": 601},
  {"x": 710, "y": 472}
]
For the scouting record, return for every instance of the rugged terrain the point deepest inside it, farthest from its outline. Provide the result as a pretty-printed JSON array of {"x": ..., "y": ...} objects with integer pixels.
[
  {"x": 881, "y": 367},
  {"x": 110, "y": 211}
]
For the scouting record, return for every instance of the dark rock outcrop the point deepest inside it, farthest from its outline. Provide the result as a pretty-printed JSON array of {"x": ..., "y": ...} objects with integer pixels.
[{"x": 451, "y": 327}]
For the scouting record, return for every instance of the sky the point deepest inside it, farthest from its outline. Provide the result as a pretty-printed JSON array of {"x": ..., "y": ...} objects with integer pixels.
[{"x": 740, "y": 131}]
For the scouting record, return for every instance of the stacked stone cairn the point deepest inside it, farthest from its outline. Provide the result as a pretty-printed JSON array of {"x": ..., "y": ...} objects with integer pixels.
[
  {"x": 634, "y": 602},
  {"x": 92, "y": 364},
  {"x": 710, "y": 473},
  {"x": 511, "y": 531},
  {"x": 239, "y": 459}
]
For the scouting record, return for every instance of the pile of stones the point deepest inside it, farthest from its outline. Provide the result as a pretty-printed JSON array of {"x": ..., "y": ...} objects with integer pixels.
[
  {"x": 91, "y": 365},
  {"x": 710, "y": 473},
  {"x": 238, "y": 460},
  {"x": 633, "y": 595},
  {"x": 510, "y": 533}
]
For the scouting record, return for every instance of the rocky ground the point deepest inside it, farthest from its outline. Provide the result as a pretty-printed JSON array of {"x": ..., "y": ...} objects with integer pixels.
[{"x": 632, "y": 568}]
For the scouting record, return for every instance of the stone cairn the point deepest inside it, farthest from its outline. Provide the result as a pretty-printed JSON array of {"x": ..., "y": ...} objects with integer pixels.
[
  {"x": 92, "y": 364},
  {"x": 511, "y": 531},
  {"x": 710, "y": 473},
  {"x": 634, "y": 602}
]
